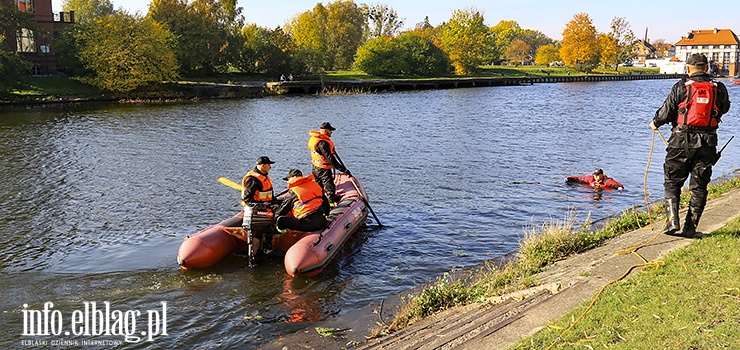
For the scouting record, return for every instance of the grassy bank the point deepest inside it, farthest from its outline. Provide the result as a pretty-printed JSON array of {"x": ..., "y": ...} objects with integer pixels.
[
  {"x": 690, "y": 302},
  {"x": 55, "y": 88},
  {"x": 542, "y": 246}
]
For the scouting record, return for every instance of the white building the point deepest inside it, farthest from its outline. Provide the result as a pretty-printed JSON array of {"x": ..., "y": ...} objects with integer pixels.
[{"x": 721, "y": 47}]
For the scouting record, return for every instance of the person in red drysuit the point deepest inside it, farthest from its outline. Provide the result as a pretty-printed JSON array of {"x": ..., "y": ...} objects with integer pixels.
[{"x": 597, "y": 180}]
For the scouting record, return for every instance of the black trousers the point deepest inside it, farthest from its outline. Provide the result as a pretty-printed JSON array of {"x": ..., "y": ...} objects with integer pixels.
[
  {"x": 679, "y": 164},
  {"x": 311, "y": 222},
  {"x": 325, "y": 178}
]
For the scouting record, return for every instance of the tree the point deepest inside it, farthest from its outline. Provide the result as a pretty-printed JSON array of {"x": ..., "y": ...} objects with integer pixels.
[
  {"x": 125, "y": 52},
  {"x": 535, "y": 39},
  {"x": 504, "y": 33},
  {"x": 381, "y": 56},
  {"x": 661, "y": 47},
  {"x": 467, "y": 40},
  {"x": 518, "y": 51},
  {"x": 260, "y": 52},
  {"x": 308, "y": 32},
  {"x": 547, "y": 54},
  {"x": 624, "y": 41},
  {"x": 607, "y": 49},
  {"x": 423, "y": 57},
  {"x": 345, "y": 31},
  {"x": 383, "y": 21},
  {"x": 88, "y": 10},
  {"x": 579, "y": 48},
  {"x": 13, "y": 69}
]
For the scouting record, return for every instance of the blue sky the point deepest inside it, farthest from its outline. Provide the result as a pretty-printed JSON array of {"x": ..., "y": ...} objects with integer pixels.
[{"x": 667, "y": 20}]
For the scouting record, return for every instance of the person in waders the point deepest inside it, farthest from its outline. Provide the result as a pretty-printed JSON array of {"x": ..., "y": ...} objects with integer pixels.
[{"x": 694, "y": 108}]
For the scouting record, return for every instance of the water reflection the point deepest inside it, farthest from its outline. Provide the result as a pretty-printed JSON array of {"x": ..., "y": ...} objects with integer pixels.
[{"x": 95, "y": 200}]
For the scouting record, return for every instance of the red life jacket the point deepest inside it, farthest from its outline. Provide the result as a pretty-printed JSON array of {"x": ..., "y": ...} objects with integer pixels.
[{"x": 700, "y": 107}]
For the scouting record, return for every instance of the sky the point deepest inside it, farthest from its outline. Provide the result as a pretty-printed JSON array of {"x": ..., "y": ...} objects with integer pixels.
[{"x": 668, "y": 20}]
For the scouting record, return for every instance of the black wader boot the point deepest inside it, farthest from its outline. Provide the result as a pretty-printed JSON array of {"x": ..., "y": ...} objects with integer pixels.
[
  {"x": 673, "y": 224},
  {"x": 692, "y": 221}
]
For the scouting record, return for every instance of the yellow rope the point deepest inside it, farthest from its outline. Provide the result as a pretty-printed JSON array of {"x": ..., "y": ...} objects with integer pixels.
[{"x": 655, "y": 264}]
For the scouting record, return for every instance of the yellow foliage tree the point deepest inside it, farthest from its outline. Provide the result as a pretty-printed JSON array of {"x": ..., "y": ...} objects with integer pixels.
[
  {"x": 579, "y": 48},
  {"x": 547, "y": 54}
]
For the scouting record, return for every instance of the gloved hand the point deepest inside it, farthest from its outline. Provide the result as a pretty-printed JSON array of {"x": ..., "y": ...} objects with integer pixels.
[
  {"x": 346, "y": 171},
  {"x": 620, "y": 188}
]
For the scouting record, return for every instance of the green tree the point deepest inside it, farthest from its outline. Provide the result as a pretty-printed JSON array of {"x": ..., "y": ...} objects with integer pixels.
[
  {"x": 535, "y": 39},
  {"x": 383, "y": 21},
  {"x": 467, "y": 40},
  {"x": 423, "y": 57},
  {"x": 579, "y": 48},
  {"x": 65, "y": 49},
  {"x": 88, "y": 10},
  {"x": 547, "y": 54},
  {"x": 504, "y": 32},
  {"x": 125, "y": 52},
  {"x": 345, "y": 31},
  {"x": 261, "y": 53},
  {"x": 13, "y": 69},
  {"x": 308, "y": 32},
  {"x": 381, "y": 56}
]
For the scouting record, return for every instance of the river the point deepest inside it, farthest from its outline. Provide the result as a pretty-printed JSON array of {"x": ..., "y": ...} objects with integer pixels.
[{"x": 95, "y": 200}]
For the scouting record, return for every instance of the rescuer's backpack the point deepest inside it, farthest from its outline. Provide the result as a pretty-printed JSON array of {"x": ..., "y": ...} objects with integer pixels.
[{"x": 700, "y": 107}]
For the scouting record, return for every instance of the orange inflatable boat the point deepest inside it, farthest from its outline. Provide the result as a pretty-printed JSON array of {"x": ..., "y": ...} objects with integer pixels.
[{"x": 306, "y": 253}]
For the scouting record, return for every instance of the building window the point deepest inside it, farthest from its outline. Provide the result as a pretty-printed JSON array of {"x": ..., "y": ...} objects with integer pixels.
[
  {"x": 25, "y": 42},
  {"x": 24, "y": 5}
]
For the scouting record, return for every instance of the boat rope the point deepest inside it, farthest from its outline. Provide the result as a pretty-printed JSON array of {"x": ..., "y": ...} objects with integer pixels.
[{"x": 655, "y": 264}]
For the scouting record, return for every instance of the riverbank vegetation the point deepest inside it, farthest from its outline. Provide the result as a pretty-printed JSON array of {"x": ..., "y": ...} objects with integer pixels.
[
  {"x": 542, "y": 246},
  {"x": 128, "y": 54}
]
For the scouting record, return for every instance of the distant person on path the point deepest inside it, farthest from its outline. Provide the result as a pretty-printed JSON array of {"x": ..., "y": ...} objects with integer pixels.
[
  {"x": 305, "y": 201},
  {"x": 694, "y": 108},
  {"x": 324, "y": 159},
  {"x": 597, "y": 180}
]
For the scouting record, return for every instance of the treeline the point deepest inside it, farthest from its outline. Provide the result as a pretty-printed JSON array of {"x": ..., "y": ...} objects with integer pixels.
[{"x": 118, "y": 51}]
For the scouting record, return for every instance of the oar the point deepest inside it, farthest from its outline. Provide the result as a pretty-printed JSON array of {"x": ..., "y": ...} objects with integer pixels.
[
  {"x": 360, "y": 193},
  {"x": 230, "y": 183}
]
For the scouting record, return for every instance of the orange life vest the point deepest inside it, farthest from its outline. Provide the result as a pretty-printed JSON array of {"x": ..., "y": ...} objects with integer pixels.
[
  {"x": 309, "y": 195},
  {"x": 699, "y": 108},
  {"x": 316, "y": 158},
  {"x": 266, "y": 194}
]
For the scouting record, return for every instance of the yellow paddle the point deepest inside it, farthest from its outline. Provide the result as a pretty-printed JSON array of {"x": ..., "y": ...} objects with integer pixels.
[{"x": 230, "y": 183}]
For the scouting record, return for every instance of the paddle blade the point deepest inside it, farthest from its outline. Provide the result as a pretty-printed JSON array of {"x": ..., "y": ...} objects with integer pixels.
[{"x": 230, "y": 183}]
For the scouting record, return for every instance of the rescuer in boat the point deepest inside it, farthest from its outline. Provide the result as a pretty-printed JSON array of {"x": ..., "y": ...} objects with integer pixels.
[
  {"x": 324, "y": 159},
  {"x": 258, "y": 185},
  {"x": 305, "y": 200},
  {"x": 694, "y": 108},
  {"x": 597, "y": 180}
]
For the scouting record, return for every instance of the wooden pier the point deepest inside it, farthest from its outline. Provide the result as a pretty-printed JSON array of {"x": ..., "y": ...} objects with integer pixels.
[{"x": 318, "y": 86}]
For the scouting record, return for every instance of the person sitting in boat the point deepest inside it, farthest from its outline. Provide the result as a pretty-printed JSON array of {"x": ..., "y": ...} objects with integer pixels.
[
  {"x": 597, "y": 180},
  {"x": 306, "y": 201},
  {"x": 324, "y": 158},
  {"x": 258, "y": 185}
]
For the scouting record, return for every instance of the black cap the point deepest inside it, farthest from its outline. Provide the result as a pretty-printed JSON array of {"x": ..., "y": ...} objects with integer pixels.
[
  {"x": 697, "y": 60},
  {"x": 293, "y": 172},
  {"x": 326, "y": 125},
  {"x": 264, "y": 160},
  {"x": 598, "y": 171}
]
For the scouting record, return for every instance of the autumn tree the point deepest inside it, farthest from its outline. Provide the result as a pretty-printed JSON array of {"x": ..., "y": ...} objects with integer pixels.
[
  {"x": 308, "y": 32},
  {"x": 607, "y": 49},
  {"x": 88, "y": 10},
  {"x": 383, "y": 20},
  {"x": 579, "y": 48},
  {"x": 535, "y": 39},
  {"x": 261, "y": 51},
  {"x": 517, "y": 51},
  {"x": 547, "y": 54},
  {"x": 124, "y": 52},
  {"x": 467, "y": 40}
]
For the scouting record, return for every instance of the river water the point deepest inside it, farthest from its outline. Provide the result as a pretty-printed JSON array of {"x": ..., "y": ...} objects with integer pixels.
[{"x": 95, "y": 200}]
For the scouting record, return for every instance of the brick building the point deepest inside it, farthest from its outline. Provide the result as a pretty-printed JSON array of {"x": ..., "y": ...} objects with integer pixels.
[{"x": 37, "y": 46}]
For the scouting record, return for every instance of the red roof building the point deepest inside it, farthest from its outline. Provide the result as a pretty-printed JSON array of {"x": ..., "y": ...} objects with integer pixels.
[{"x": 721, "y": 47}]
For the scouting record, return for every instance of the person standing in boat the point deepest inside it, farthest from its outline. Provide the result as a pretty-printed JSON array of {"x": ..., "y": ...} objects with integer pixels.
[
  {"x": 305, "y": 200},
  {"x": 324, "y": 159},
  {"x": 694, "y": 108},
  {"x": 258, "y": 185},
  {"x": 597, "y": 180}
]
